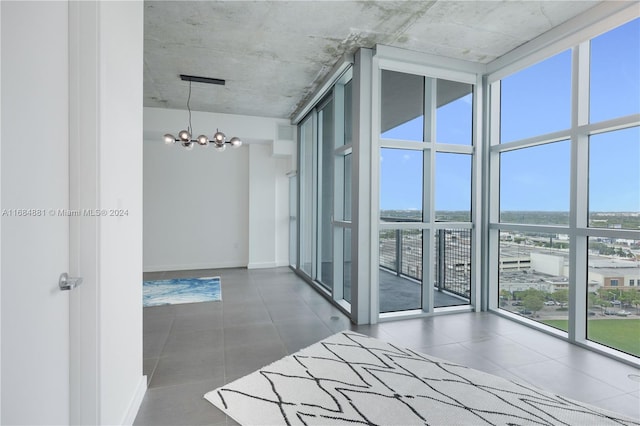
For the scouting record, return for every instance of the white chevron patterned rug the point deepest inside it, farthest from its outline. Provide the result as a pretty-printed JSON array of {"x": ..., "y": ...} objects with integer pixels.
[{"x": 351, "y": 379}]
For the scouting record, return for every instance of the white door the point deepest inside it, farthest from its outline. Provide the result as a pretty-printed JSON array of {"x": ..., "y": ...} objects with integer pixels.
[{"x": 34, "y": 195}]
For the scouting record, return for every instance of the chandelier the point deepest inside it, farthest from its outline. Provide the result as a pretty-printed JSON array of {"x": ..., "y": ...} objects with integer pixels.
[{"x": 219, "y": 139}]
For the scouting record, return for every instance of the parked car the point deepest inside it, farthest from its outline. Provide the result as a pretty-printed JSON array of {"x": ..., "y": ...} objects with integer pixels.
[
  {"x": 615, "y": 302},
  {"x": 516, "y": 303},
  {"x": 525, "y": 312},
  {"x": 550, "y": 303},
  {"x": 622, "y": 313}
]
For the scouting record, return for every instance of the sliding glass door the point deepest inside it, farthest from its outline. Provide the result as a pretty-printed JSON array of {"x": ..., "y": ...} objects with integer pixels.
[
  {"x": 325, "y": 193},
  {"x": 307, "y": 195}
]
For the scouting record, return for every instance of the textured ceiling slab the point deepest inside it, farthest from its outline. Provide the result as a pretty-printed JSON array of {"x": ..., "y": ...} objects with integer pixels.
[{"x": 273, "y": 54}]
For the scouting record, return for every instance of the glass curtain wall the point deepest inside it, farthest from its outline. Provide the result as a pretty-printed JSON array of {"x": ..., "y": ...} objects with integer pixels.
[
  {"x": 326, "y": 145},
  {"x": 308, "y": 177},
  {"x": 293, "y": 221},
  {"x": 343, "y": 188},
  {"x": 565, "y": 155},
  {"x": 613, "y": 191},
  {"x": 325, "y": 193},
  {"x": 425, "y": 187}
]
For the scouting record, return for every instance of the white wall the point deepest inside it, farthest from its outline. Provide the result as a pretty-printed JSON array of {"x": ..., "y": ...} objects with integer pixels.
[
  {"x": 119, "y": 142},
  {"x": 284, "y": 166},
  {"x": 269, "y": 211},
  {"x": 196, "y": 207},
  {"x": 209, "y": 209},
  {"x": 0, "y": 220}
]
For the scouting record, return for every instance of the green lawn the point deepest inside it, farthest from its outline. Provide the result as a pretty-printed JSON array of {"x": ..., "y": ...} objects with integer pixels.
[{"x": 621, "y": 334}]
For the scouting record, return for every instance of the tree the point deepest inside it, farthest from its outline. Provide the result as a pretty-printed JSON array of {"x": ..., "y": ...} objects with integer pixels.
[
  {"x": 561, "y": 296},
  {"x": 627, "y": 297},
  {"x": 533, "y": 302},
  {"x": 505, "y": 295}
]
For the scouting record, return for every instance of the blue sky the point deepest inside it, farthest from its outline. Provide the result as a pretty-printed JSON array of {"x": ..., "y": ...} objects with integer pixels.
[{"x": 536, "y": 101}]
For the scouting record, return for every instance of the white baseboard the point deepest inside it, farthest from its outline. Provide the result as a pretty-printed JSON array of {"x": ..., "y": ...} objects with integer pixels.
[
  {"x": 261, "y": 265},
  {"x": 136, "y": 401},
  {"x": 192, "y": 266}
]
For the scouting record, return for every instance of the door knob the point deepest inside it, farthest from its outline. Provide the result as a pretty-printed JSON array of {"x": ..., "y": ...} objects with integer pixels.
[{"x": 68, "y": 283}]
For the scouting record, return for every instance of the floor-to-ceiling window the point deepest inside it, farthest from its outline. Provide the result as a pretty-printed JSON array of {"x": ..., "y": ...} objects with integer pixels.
[
  {"x": 307, "y": 216},
  {"x": 293, "y": 220},
  {"x": 325, "y": 192},
  {"x": 326, "y": 146},
  {"x": 565, "y": 191},
  {"x": 558, "y": 171},
  {"x": 613, "y": 189},
  {"x": 342, "y": 157},
  {"x": 425, "y": 192}
]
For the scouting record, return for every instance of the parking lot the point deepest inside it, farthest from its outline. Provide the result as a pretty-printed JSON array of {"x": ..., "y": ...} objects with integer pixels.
[{"x": 549, "y": 311}]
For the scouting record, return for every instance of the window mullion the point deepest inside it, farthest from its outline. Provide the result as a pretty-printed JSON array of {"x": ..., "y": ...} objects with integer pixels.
[
  {"x": 428, "y": 196},
  {"x": 578, "y": 193}
]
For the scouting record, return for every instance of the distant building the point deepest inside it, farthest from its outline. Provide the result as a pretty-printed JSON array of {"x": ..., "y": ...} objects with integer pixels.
[{"x": 523, "y": 266}]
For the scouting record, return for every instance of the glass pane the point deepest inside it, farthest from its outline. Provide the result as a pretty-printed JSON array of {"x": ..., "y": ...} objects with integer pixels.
[
  {"x": 536, "y": 100},
  {"x": 347, "y": 187},
  {"x": 293, "y": 220},
  {"x": 534, "y": 276},
  {"x": 615, "y": 73},
  {"x": 346, "y": 291},
  {"x": 400, "y": 184},
  {"x": 613, "y": 298},
  {"x": 325, "y": 190},
  {"x": 348, "y": 120},
  {"x": 454, "y": 116},
  {"x": 453, "y": 187},
  {"x": 614, "y": 179},
  {"x": 534, "y": 184},
  {"x": 306, "y": 196},
  {"x": 452, "y": 251},
  {"x": 388, "y": 252},
  {"x": 402, "y": 105},
  {"x": 400, "y": 270}
]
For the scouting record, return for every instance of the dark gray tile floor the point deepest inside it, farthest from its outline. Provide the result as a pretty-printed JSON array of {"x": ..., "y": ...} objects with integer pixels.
[{"x": 266, "y": 314}]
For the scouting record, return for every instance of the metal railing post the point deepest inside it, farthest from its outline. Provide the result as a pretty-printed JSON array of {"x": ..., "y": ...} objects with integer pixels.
[
  {"x": 441, "y": 260},
  {"x": 398, "y": 252}
]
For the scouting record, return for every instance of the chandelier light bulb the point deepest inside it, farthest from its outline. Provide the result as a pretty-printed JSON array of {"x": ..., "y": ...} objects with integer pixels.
[
  {"x": 184, "y": 135},
  {"x": 203, "y": 140},
  {"x": 169, "y": 139},
  {"x": 235, "y": 142},
  {"x": 219, "y": 136}
]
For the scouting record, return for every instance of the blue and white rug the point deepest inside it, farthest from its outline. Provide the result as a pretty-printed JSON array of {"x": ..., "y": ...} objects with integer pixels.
[{"x": 181, "y": 290}]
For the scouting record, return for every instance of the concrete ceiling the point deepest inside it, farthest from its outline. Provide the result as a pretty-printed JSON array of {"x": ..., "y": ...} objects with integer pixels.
[{"x": 274, "y": 54}]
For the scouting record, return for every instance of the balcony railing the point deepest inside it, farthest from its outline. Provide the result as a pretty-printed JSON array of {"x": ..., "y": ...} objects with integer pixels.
[
  {"x": 401, "y": 253},
  {"x": 453, "y": 261}
]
